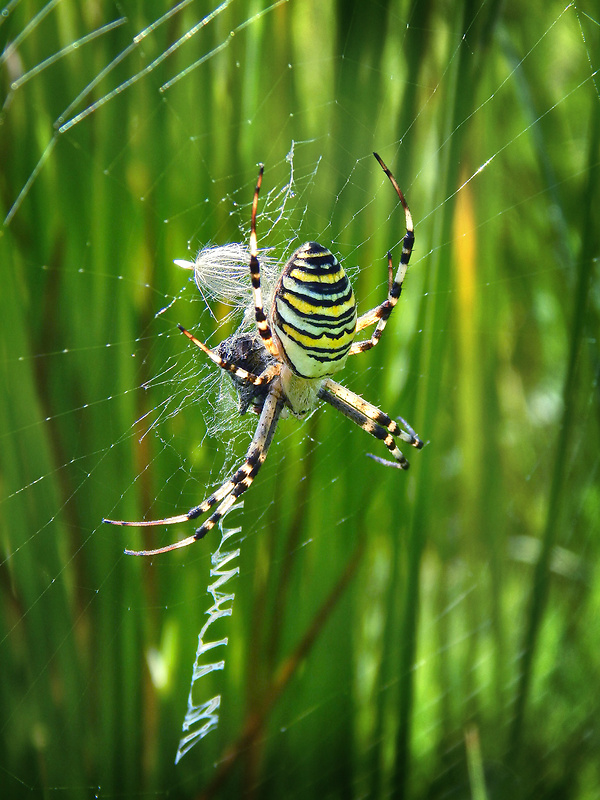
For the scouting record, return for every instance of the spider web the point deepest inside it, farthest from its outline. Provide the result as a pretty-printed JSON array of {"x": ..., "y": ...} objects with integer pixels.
[{"x": 108, "y": 411}]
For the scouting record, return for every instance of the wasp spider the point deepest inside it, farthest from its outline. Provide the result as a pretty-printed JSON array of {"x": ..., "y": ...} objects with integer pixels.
[{"x": 288, "y": 361}]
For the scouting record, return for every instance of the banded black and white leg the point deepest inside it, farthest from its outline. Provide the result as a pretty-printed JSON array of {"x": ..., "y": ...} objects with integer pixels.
[
  {"x": 257, "y": 380},
  {"x": 262, "y": 322},
  {"x": 380, "y": 315},
  {"x": 227, "y": 494},
  {"x": 372, "y": 420}
]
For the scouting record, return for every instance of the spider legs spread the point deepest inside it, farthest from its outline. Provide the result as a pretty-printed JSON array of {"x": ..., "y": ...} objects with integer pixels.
[{"x": 254, "y": 360}]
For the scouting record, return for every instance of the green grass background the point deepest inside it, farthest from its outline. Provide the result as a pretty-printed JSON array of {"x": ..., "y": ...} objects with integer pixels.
[{"x": 432, "y": 634}]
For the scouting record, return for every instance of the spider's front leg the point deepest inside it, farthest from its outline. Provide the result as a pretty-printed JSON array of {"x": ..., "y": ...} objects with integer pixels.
[
  {"x": 228, "y": 493},
  {"x": 372, "y": 420}
]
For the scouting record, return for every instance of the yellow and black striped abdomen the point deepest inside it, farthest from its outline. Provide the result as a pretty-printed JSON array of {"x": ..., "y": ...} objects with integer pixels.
[{"x": 314, "y": 312}]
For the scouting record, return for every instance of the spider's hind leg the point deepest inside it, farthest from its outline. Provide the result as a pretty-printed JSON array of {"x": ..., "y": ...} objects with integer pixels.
[
  {"x": 262, "y": 323},
  {"x": 379, "y": 316}
]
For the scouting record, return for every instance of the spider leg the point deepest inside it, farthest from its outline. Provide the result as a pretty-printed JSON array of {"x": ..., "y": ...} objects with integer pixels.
[
  {"x": 249, "y": 377},
  {"x": 385, "y": 461},
  {"x": 371, "y": 419},
  {"x": 227, "y": 494},
  {"x": 262, "y": 323},
  {"x": 373, "y": 413},
  {"x": 381, "y": 313},
  {"x": 376, "y": 314}
]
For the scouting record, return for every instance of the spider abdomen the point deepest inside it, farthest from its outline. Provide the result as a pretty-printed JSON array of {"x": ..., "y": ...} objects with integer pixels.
[{"x": 314, "y": 312}]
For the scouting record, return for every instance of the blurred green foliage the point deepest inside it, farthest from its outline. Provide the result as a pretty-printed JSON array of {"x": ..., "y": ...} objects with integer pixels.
[{"x": 430, "y": 634}]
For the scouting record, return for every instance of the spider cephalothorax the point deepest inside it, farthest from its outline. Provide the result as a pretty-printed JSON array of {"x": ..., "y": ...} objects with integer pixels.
[{"x": 288, "y": 361}]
